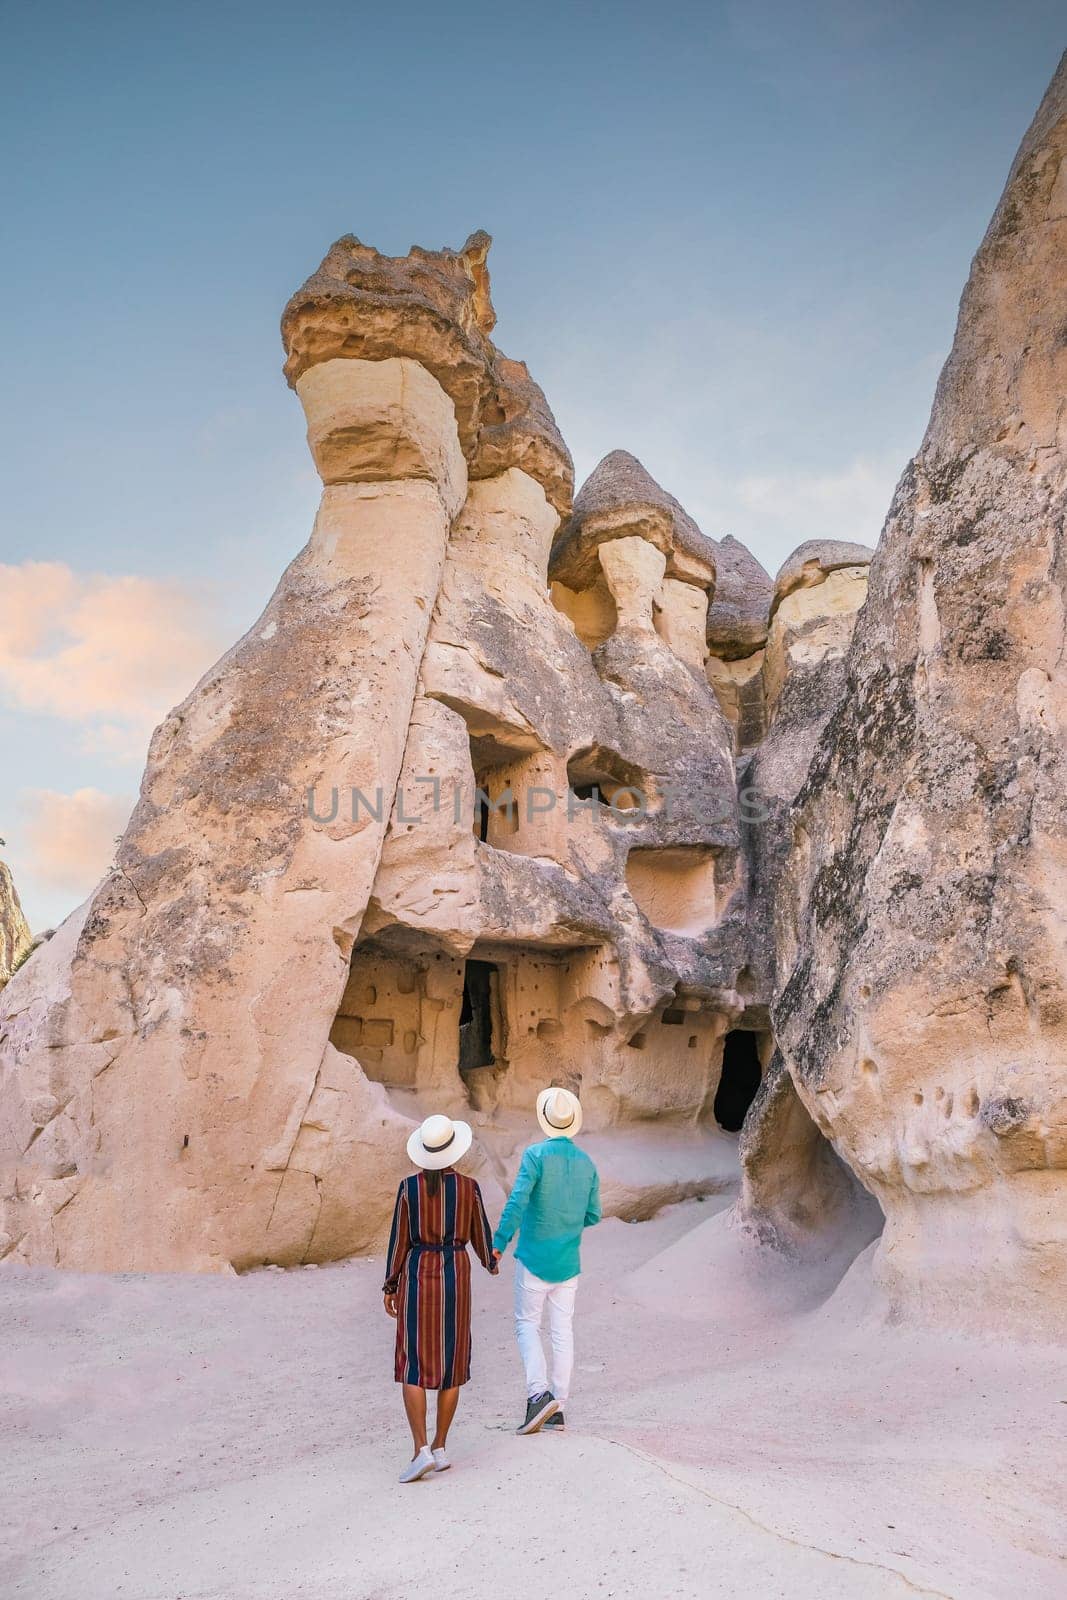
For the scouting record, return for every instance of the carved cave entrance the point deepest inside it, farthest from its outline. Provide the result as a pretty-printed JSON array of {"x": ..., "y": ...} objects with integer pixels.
[
  {"x": 600, "y": 775},
  {"x": 739, "y": 1080},
  {"x": 479, "y": 1007}
]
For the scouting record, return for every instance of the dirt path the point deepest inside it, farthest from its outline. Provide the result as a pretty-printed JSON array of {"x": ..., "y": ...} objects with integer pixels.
[{"x": 239, "y": 1439}]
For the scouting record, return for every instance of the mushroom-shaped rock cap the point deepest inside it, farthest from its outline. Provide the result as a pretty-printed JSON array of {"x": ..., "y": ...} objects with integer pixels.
[
  {"x": 434, "y": 307},
  {"x": 519, "y": 430},
  {"x": 811, "y": 563},
  {"x": 618, "y": 500},
  {"x": 739, "y": 615}
]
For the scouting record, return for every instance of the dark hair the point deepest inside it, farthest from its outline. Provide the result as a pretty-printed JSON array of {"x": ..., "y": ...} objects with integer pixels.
[{"x": 433, "y": 1178}]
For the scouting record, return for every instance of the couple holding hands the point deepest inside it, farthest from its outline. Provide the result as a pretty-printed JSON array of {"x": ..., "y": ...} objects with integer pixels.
[{"x": 439, "y": 1211}]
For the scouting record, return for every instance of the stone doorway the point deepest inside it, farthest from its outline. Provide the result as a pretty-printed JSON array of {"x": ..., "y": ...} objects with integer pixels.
[
  {"x": 740, "y": 1078},
  {"x": 477, "y": 1018}
]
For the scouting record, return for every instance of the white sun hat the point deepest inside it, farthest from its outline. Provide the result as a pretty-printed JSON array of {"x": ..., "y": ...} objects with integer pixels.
[
  {"x": 559, "y": 1112},
  {"x": 439, "y": 1142}
]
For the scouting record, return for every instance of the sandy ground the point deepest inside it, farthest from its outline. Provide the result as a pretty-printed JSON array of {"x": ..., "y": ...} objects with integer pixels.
[{"x": 223, "y": 1439}]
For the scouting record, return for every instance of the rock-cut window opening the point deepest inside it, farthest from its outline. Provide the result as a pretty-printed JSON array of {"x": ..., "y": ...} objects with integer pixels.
[
  {"x": 739, "y": 1080},
  {"x": 674, "y": 886},
  {"x": 476, "y": 1041},
  {"x": 603, "y": 776},
  {"x": 489, "y": 796}
]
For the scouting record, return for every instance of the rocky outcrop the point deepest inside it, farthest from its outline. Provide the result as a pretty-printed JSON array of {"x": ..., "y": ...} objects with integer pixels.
[
  {"x": 802, "y": 682},
  {"x": 413, "y": 839},
  {"x": 817, "y": 593},
  {"x": 184, "y": 1052},
  {"x": 921, "y": 1006},
  {"x": 739, "y": 614},
  {"x": 607, "y": 879},
  {"x": 432, "y": 307},
  {"x": 738, "y": 619},
  {"x": 620, "y": 499},
  {"x": 798, "y": 1198},
  {"x": 15, "y": 938}
]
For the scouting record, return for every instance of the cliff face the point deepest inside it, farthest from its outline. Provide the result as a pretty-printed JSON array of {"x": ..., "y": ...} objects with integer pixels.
[
  {"x": 816, "y": 599},
  {"x": 922, "y": 952},
  {"x": 15, "y": 937}
]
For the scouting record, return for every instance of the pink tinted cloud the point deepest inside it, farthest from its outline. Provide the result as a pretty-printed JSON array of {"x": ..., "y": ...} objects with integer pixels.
[
  {"x": 111, "y": 653},
  {"x": 68, "y": 840}
]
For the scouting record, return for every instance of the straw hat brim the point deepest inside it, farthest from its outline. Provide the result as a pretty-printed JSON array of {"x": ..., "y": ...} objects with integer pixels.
[
  {"x": 436, "y": 1160},
  {"x": 546, "y": 1126}
]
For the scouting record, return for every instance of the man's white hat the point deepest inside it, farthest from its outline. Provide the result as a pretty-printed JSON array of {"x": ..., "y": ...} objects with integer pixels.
[
  {"x": 559, "y": 1112},
  {"x": 439, "y": 1142}
]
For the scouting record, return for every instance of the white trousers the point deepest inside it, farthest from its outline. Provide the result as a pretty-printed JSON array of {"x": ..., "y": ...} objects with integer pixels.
[{"x": 532, "y": 1294}]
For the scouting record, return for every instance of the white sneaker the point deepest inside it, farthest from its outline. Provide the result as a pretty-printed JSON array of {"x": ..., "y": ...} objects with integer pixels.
[
  {"x": 441, "y": 1462},
  {"x": 422, "y": 1464}
]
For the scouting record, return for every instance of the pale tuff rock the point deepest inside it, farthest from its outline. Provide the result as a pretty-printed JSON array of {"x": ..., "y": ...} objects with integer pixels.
[
  {"x": 738, "y": 619},
  {"x": 186, "y": 1042},
  {"x": 15, "y": 937},
  {"x": 432, "y": 307},
  {"x": 214, "y": 1064},
  {"x": 921, "y": 1003},
  {"x": 580, "y": 965},
  {"x": 802, "y": 679},
  {"x": 372, "y": 421},
  {"x": 817, "y": 593},
  {"x": 620, "y": 499},
  {"x": 812, "y": 564},
  {"x": 739, "y": 614},
  {"x": 797, "y": 1196}
]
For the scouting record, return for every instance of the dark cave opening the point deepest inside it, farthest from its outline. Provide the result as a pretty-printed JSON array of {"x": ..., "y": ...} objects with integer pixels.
[
  {"x": 476, "y": 1017},
  {"x": 741, "y": 1075}
]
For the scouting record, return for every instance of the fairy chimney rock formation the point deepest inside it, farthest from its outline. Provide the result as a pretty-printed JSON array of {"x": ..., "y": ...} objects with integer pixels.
[
  {"x": 620, "y": 503},
  {"x": 817, "y": 592},
  {"x": 620, "y": 500},
  {"x": 432, "y": 308},
  {"x": 410, "y": 838},
  {"x": 922, "y": 1007},
  {"x": 816, "y": 599},
  {"x": 740, "y": 611},
  {"x": 738, "y": 619}
]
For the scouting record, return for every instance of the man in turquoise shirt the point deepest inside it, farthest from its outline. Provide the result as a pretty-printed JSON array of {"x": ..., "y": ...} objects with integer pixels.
[{"x": 556, "y": 1194}]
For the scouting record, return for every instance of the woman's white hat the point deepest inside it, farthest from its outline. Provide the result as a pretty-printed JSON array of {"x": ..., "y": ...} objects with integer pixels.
[
  {"x": 559, "y": 1112},
  {"x": 439, "y": 1142}
]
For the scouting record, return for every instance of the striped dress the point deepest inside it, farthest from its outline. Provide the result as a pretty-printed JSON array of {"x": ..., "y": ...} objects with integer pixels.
[{"x": 429, "y": 1271}]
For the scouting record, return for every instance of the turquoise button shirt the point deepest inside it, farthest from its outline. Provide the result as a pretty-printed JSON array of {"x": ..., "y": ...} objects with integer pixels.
[{"x": 556, "y": 1195}]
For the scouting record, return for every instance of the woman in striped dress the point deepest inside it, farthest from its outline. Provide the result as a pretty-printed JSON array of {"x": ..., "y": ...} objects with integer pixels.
[{"x": 428, "y": 1283}]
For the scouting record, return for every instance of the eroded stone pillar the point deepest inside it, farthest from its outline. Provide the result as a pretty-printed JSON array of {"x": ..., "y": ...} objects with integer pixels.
[
  {"x": 634, "y": 572},
  {"x": 213, "y": 1124},
  {"x": 682, "y": 620},
  {"x": 922, "y": 998}
]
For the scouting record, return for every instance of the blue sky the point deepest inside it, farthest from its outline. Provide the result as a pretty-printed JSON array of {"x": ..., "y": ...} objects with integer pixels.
[{"x": 729, "y": 238}]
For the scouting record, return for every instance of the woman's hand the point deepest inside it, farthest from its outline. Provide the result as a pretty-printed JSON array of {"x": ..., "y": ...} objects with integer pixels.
[{"x": 390, "y": 1305}]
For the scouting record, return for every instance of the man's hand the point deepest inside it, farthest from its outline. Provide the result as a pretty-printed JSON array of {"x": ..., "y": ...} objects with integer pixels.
[
  {"x": 497, "y": 1255},
  {"x": 390, "y": 1305}
]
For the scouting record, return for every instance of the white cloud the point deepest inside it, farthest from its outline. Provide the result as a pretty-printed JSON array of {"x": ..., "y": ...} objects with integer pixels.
[
  {"x": 112, "y": 654},
  {"x": 67, "y": 841},
  {"x": 770, "y": 512},
  {"x": 847, "y": 504}
]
